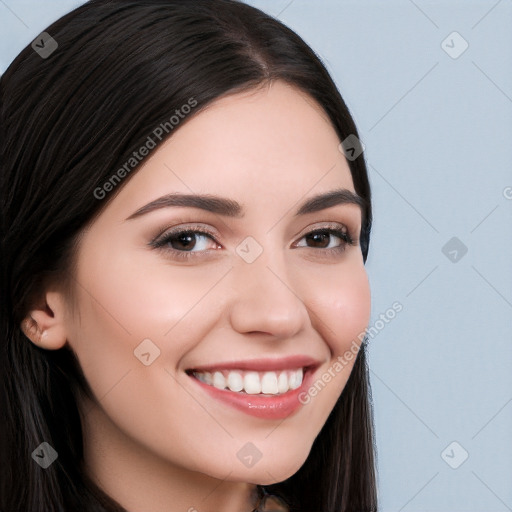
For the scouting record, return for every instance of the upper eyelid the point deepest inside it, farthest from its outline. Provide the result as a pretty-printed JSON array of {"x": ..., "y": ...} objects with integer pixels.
[
  {"x": 192, "y": 226},
  {"x": 183, "y": 229},
  {"x": 318, "y": 226}
]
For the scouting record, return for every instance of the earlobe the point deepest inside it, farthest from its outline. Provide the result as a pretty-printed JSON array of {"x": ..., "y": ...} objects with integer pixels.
[{"x": 44, "y": 325}]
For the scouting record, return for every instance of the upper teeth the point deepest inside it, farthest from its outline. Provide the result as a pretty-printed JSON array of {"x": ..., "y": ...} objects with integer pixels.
[{"x": 251, "y": 382}]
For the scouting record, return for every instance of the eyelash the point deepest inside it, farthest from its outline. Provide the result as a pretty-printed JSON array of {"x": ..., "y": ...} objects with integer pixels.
[{"x": 162, "y": 240}]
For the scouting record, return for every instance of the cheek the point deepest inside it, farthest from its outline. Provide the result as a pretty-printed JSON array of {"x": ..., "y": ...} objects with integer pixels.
[
  {"x": 123, "y": 302},
  {"x": 132, "y": 296},
  {"x": 343, "y": 308},
  {"x": 342, "y": 312},
  {"x": 119, "y": 307}
]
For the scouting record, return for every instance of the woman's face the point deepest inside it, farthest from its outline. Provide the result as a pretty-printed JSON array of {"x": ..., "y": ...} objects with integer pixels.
[{"x": 254, "y": 292}]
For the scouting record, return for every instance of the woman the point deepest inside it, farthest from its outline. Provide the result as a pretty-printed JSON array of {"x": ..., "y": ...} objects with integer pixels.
[{"x": 183, "y": 243}]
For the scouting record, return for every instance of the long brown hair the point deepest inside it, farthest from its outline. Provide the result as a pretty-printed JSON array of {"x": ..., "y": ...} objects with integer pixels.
[{"x": 67, "y": 121}]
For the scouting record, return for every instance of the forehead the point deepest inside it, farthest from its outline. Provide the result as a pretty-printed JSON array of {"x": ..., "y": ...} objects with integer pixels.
[{"x": 260, "y": 147}]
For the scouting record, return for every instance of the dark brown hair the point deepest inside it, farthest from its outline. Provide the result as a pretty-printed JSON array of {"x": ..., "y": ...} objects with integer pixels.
[{"x": 68, "y": 122}]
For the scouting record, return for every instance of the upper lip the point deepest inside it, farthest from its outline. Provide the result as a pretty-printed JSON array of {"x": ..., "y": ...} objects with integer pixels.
[{"x": 263, "y": 364}]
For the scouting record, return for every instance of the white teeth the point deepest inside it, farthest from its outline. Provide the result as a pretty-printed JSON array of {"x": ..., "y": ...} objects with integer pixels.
[
  {"x": 219, "y": 381},
  {"x": 282, "y": 383},
  {"x": 295, "y": 379},
  {"x": 235, "y": 381},
  {"x": 205, "y": 377},
  {"x": 208, "y": 378},
  {"x": 269, "y": 383},
  {"x": 253, "y": 383}
]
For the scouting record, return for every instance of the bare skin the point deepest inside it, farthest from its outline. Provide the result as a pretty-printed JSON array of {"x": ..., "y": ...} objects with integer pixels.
[{"x": 154, "y": 440}]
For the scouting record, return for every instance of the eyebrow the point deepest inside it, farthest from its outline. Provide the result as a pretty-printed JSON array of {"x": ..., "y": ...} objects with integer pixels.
[{"x": 231, "y": 208}]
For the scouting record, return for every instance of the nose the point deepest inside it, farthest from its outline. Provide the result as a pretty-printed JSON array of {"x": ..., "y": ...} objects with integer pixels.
[{"x": 265, "y": 300}]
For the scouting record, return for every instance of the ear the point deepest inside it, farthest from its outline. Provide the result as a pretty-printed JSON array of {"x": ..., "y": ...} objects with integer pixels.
[{"x": 44, "y": 324}]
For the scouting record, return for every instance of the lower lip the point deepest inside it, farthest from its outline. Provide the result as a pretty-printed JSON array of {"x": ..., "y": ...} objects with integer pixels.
[{"x": 268, "y": 407}]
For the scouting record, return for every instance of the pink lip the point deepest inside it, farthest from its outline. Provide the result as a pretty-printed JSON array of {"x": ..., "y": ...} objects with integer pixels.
[
  {"x": 267, "y": 407},
  {"x": 261, "y": 365}
]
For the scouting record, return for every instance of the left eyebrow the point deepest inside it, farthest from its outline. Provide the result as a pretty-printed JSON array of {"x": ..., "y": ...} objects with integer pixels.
[
  {"x": 329, "y": 199},
  {"x": 231, "y": 208}
]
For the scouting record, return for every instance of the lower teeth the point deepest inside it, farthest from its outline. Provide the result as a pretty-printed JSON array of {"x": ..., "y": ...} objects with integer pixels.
[{"x": 250, "y": 394}]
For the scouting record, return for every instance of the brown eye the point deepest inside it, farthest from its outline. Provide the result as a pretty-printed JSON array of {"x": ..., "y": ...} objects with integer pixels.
[
  {"x": 322, "y": 239},
  {"x": 184, "y": 243}
]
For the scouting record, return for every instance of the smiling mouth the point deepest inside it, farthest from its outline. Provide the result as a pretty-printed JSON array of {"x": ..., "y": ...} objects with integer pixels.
[{"x": 262, "y": 383}]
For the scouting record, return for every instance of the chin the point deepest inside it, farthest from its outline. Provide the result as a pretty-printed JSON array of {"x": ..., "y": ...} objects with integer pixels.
[{"x": 273, "y": 472}]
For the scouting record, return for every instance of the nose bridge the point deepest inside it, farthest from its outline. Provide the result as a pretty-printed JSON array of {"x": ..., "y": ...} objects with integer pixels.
[{"x": 263, "y": 297}]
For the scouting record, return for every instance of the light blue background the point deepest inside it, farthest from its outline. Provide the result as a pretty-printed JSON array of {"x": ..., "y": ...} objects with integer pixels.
[{"x": 438, "y": 136}]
